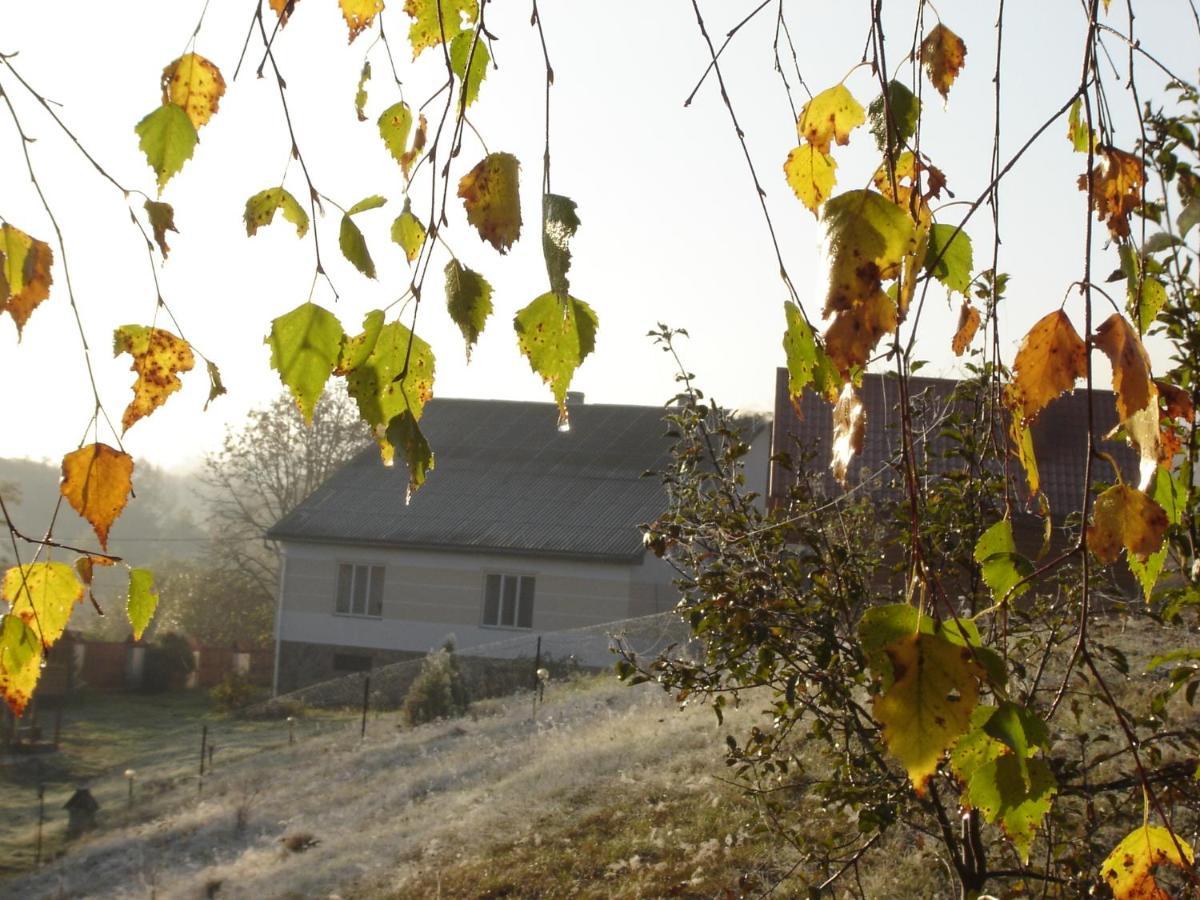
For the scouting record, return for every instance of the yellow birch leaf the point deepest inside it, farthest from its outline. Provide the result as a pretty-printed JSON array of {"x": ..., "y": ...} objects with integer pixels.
[
  {"x": 855, "y": 330},
  {"x": 1051, "y": 357},
  {"x": 830, "y": 115},
  {"x": 43, "y": 595},
  {"x": 284, "y": 9},
  {"x": 1021, "y": 436},
  {"x": 435, "y": 21},
  {"x": 359, "y": 14},
  {"x": 968, "y": 324},
  {"x": 20, "y": 663},
  {"x": 1125, "y": 518},
  {"x": 1129, "y": 869},
  {"x": 1117, "y": 184},
  {"x": 849, "y": 426},
  {"x": 158, "y": 358},
  {"x": 811, "y": 175},
  {"x": 194, "y": 83},
  {"x": 1130, "y": 365},
  {"x": 492, "y": 199},
  {"x": 929, "y": 704},
  {"x": 867, "y": 238},
  {"x": 97, "y": 480},
  {"x": 942, "y": 53},
  {"x": 408, "y": 232},
  {"x": 26, "y": 270}
]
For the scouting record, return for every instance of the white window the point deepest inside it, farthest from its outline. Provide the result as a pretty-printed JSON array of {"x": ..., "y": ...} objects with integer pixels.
[
  {"x": 508, "y": 601},
  {"x": 359, "y": 590}
]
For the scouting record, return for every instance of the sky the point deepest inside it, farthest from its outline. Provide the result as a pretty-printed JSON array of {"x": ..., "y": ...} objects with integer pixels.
[{"x": 671, "y": 228}]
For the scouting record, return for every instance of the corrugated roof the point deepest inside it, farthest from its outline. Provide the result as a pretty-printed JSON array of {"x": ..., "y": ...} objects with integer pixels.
[
  {"x": 1059, "y": 438},
  {"x": 506, "y": 480}
]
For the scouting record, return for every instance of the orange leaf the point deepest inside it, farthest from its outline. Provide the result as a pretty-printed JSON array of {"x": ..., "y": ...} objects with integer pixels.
[
  {"x": 1050, "y": 358},
  {"x": 1116, "y": 188},
  {"x": 284, "y": 9},
  {"x": 1125, "y": 518},
  {"x": 490, "y": 194},
  {"x": 1130, "y": 363},
  {"x": 968, "y": 324},
  {"x": 942, "y": 54},
  {"x": 1178, "y": 402},
  {"x": 849, "y": 427},
  {"x": 97, "y": 480},
  {"x": 158, "y": 357},
  {"x": 24, "y": 273},
  {"x": 857, "y": 328}
]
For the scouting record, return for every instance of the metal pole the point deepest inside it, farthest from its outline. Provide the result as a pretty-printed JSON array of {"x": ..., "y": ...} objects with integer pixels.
[
  {"x": 537, "y": 664},
  {"x": 366, "y": 704}
]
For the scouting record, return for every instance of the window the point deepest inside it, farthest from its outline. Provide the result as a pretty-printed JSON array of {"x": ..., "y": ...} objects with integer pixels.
[
  {"x": 508, "y": 601},
  {"x": 359, "y": 590}
]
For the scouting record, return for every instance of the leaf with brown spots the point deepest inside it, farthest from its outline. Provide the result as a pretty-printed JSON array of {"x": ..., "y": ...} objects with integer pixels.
[
  {"x": 1130, "y": 364},
  {"x": 1050, "y": 359},
  {"x": 435, "y": 21},
  {"x": 1177, "y": 403},
  {"x": 556, "y": 334},
  {"x": 162, "y": 220},
  {"x": 43, "y": 594},
  {"x": 810, "y": 173},
  {"x": 968, "y": 324},
  {"x": 20, "y": 663},
  {"x": 1129, "y": 869},
  {"x": 490, "y": 193},
  {"x": 284, "y": 9},
  {"x": 158, "y": 358},
  {"x": 359, "y": 14},
  {"x": 97, "y": 481},
  {"x": 849, "y": 427},
  {"x": 1125, "y": 518},
  {"x": 867, "y": 237},
  {"x": 1117, "y": 184},
  {"x": 855, "y": 330},
  {"x": 25, "y": 273},
  {"x": 942, "y": 54},
  {"x": 195, "y": 84},
  {"x": 830, "y": 116}
]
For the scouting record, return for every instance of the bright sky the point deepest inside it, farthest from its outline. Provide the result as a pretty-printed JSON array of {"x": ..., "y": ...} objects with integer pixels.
[{"x": 671, "y": 227}]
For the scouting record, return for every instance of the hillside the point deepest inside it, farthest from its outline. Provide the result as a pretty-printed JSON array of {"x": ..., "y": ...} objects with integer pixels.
[{"x": 611, "y": 793}]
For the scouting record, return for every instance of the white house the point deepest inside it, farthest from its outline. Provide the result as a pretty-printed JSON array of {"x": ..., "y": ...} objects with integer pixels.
[{"x": 520, "y": 529}]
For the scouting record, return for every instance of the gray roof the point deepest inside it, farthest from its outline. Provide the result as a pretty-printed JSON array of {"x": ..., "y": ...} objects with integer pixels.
[{"x": 505, "y": 480}]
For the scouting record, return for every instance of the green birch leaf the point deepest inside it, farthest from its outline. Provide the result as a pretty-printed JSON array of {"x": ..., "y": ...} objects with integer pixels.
[
  {"x": 216, "y": 387},
  {"x": 404, "y": 434},
  {"x": 1171, "y": 495},
  {"x": 1002, "y": 566},
  {"x": 360, "y": 95},
  {"x": 305, "y": 346},
  {"x": 394, "y": 125},
  {"x": 906, "y": 110},
  {"x": 1003, "y": 795},
  {"x": 954, "y": 268},
  {"x": 1153, "y": 299},
  {"x": 354, "y": 247},
  {"x": 1188, "y": 217},
  {"x": 469, "y": 301},
  {"x": 20, "y": 663},
  {"x": 807, "y": 363},
  {"x": 559, "y": 224},
  {"x": 355, "y": 350},
  {"x": 168, "y": 138},
  {"x": 556, "y": 333},
  {"x": 162, "y": 220},
  {"x": 408, "y": 232},
  {"x": 373, "y": 202},
  {"x": 142, "y": 600},
  {"x": 1077, "y": 130},
  {"x": 384, "y": 388},
  {"x": 431, "y": 26},
  {"x": 1020, "y": 731},
  {"x": 260, "y": 211},
  {"x": 881, "y": 626},
  {"x": 461, "y": 54}
]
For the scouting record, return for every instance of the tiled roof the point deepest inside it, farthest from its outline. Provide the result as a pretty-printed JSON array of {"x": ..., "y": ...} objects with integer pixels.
[
  {"x": 1059, "y": 438},
  {"x": 506, "y": 480}
]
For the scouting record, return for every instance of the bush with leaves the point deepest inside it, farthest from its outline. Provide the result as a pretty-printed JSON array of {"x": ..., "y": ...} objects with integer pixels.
[
  {"x": 234, "y": 692},
  {"x": 167, "y": 664},
  {"x": 439, "y": 691}
]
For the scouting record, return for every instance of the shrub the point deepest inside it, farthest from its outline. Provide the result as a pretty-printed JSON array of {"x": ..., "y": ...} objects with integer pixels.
[
  {"x": 168, "y": 663},
  {"x": 439, "y": 691},
  {"x": 234, "y": 692}
]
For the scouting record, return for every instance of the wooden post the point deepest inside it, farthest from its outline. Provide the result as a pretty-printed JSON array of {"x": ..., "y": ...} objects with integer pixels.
[
  {"x": 366, "y": 704},
  {"x": 37, "y": 853},
  {"x": 537, "y": 664},
  {"x": 203, "y": 750}
]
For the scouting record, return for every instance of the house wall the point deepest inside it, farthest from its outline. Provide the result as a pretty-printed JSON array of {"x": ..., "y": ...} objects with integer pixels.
[{"x": 429, "y": 596}]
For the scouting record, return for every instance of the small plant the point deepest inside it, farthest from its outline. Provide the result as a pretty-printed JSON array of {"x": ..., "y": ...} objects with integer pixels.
[
  {"x": 439, "y": 691},
  {"x": 234, "y": 692},
  {"x": 299, "y": 841},
  {"x": 169, "y": 661}
]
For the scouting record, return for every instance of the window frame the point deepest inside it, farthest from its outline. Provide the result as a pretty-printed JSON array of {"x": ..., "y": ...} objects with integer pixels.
[
  {"x": 371, "y": 590},
  {"x": 518, "y": 580}
]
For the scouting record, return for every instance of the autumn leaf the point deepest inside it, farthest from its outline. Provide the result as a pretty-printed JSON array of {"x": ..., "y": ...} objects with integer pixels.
[
  {"x": 359, "y": 14},
  {"x": 350, "y": 239},
  {"x": 168, "y": 138},
  {"x": 284, "y": 9},
  {"x": 1051, "y": 357},
  {"x": 394, "y": 124},
  {"x": 1129, "y": 869},
  {"x": 162, "y": 220},
  {"x": 435, "y": 21},
  {"x": 43, "y": 594},
  {"x": 1001, "y": 565},
  {"x": 464, "y": 50},
  {"x": 942, "y": 54},
  {"x": 1177, "y": 403},
  {"x": 968, "y": 324},
  {"x": 948, "y": 257},
  {"x": 810, "y": 174},
  {"x": 468, "y": 300},
  {"x": 216, "y": 387},
  {"x": 559, "y": 224},
  {"x": 1130, "y": 364},
  {"x": 929, "y": 704},
  {"x": 260, "y": 211},
  {"x": 97, "y": 481},
  {"x": 26, "y": 270},
  {"x": 907, "y": 170},
  {"x": 360, "y": 94},
  {"x": 807, "y": 362},
  {"x": 20, "y": 663},
  {"x": 1021, "y": 436},
  {"x": 855, "y": 330},
  {"x": 305, "y": 346},
  {"x": 556, "y": 333},
  {"x": 1169, "y": 493},
  {"x": 404, "y": 433},
  {"x": 355, "y": 350},
  {"x": 395, "y": 376},
  {"x": 1077, "y": 129},
  {"x": 1125, "y": 518},
  {"x": 408, "y": 232},
  {"x": 158, "y": 358},
  {"x": 849, "y": 428},
  {"x": 1117, "y": 183},
  {"x": 905, "y": 111},
  {"x": 830, "y": 116},
  {"x": 140, "y": 601},
  {"x": 1145, "y": 302},
  {"x": 866, "y": 239},
  {"x": 490, "y": 193},
  {"x": 195, "y": 84}
]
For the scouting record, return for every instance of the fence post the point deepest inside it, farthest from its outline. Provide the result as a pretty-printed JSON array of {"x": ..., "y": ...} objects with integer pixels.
[
  {"x": 366, "y": 704},
  {"x": 203, "y": 750},
  {"x": 37, "y": 853},
  {"x": 537, "y": 664}
]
